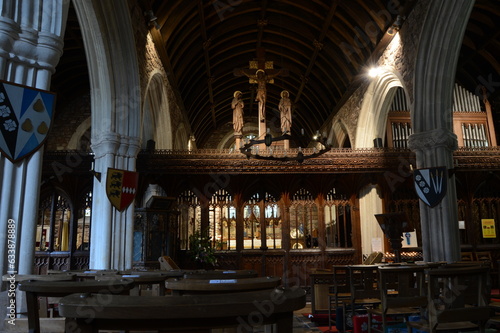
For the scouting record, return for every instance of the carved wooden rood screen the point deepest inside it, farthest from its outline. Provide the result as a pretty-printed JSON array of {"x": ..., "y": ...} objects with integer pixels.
[{"x": 281, "y": 218}]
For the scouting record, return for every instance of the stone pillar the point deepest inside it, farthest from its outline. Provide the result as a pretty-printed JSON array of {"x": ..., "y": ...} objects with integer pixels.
[
  {"x": 31, "y": 45},
  {"x": 133, "y": 148},
  {"x": 112, "y": 230},
  {"x": 105, "y": 148},
  {"x": 440, "y": 234},
  {"x": 433, "y": 140}
]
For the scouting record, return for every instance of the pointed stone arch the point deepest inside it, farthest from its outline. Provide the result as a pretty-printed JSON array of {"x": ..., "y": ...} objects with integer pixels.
[
  {"x": 109, "y": 42},
  {"x": 156, "y": 122},
  {"x": 338, "y": 134},
  {"x": 181, "y": 137},
  {"x": 80, "y": 133},
  {"x": 376, "y": 103}
]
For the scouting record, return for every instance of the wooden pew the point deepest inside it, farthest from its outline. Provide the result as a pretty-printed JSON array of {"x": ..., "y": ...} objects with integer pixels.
[
  {"x": 244, "y": 310},
  {"x": 54, "y": 288},
  {"x": 211, "y": 286}
]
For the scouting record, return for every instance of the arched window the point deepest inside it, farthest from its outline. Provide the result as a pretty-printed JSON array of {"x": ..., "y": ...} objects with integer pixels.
[
  {"x": 273, "y": 222},
  {"x": 303, "y": 221},
  {"x": 189, "y": 218},
  {"x": 222, "y": 217},
  {"x": 83, "y": 223},
  {"x": 338, "y": 221},
  {"x": 251, "y": 223},
  {"x": 252, "y": 218},
  {"x": 52, "y": 233}
]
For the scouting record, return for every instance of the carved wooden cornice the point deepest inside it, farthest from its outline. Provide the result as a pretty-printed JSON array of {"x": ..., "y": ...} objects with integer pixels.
[{"x": 338, "y": 160}]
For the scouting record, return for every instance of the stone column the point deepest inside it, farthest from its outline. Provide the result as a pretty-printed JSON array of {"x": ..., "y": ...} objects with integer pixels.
[
  {"x": 105, "y": 148},
  {"x": 433, "y": 140},
  {"x": 112, "y": 230},
  {"x": 134, "y": 146},
  {"x": 31, "y": 45},
  {"x": 440, "y": 234}
]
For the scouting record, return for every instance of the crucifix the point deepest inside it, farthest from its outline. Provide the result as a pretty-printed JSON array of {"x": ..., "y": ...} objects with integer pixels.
[{"x": 261, "y": 72}]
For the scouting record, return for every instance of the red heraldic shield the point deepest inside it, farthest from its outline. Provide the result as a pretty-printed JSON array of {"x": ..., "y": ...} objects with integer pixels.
[{"x": 121, "y": 187}]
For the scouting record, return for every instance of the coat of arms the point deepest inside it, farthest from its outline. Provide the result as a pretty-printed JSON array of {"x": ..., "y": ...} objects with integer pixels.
[
  {"x": 431, "y": 184},
  {"x": 121, "y": 187},
  {"x": 25, "y": 118}
]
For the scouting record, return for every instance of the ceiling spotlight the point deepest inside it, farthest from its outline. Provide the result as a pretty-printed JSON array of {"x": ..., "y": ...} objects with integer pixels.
[
  {"x": 152, "y": 19},
  {"x": 375, "y": 71},
  {"x": 396, "y": 25}
]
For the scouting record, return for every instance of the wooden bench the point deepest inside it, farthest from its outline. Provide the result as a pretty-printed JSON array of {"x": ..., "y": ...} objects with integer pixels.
[
  {"x": 54, "y": 288},
  {"x": 204, "y": 286},
  {"x": 244, "y": 310}
]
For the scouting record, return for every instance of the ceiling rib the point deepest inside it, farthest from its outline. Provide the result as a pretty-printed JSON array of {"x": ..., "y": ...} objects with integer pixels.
[
  {"x": 206, "y": 56},
  {"x": 318, "y": 45}
]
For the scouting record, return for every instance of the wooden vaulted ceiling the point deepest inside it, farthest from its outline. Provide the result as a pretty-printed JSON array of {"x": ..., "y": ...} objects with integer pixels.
[{"x": 325, "y": 46}]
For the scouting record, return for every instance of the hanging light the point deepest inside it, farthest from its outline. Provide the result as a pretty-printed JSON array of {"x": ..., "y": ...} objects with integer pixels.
[{"x": 269, "y": 139}]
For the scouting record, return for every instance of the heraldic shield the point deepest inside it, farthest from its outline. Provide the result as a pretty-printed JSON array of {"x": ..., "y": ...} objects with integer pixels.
[
  {"x": 25, "y": 118},
  {"x": 431, "y": 184},
  {"x": 121, "y": 187}
]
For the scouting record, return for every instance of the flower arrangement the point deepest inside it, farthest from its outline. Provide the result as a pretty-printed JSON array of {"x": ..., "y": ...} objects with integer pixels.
[{"x": 200, "y": 248}]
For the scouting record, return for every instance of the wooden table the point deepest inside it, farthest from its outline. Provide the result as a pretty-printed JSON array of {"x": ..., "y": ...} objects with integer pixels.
[
  {"x": 91, "y": 274},
  {"x": 85, "y": 313},
  {"x": 200, "y": 286},
  {"x": 148, "y": 278},
  {"x": 26, "y": 277},
  {"x": 46, "y": 288},
  {"x": 321, "y": 281},
  {"x": 221, "y": 274}
]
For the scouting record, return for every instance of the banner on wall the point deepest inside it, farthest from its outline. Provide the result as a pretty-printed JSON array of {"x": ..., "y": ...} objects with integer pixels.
[
  {"x": 488, "y": 226},
  {"x": 121, "y": 187},
  {"x": 26, "y": 116}
]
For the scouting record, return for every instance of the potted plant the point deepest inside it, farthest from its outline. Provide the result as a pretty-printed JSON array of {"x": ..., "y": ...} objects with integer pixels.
[{"x": 201, "y": 250}]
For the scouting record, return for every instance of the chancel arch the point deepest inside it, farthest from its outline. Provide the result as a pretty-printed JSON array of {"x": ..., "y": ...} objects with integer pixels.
[
  {"x": 116, "y": 115},
  {"x": 250, "y": 131},
  {"x": 182, "y": 138},
  {"x": 80, "y": 140},
  {"x": 156, "y": 123},
  {"x": 338, "y": 134},
  {"x": 376, "y": 104},
  {"x": 371, "y": 132}
]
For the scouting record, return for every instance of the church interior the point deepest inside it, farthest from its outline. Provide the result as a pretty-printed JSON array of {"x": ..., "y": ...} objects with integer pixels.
[{"x": 282, "y": 137}]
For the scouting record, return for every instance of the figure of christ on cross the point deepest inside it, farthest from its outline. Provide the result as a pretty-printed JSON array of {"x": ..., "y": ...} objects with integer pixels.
[
  {"x": 262, "y": 73},
  {"x": 261, "y": 94}
]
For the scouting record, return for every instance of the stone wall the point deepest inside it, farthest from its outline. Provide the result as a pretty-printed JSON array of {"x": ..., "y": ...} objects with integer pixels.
[
  {"x": 150, "y": 64},
  {"x": 66, "y": 120},
  {"x": 399, "y": 55}
]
